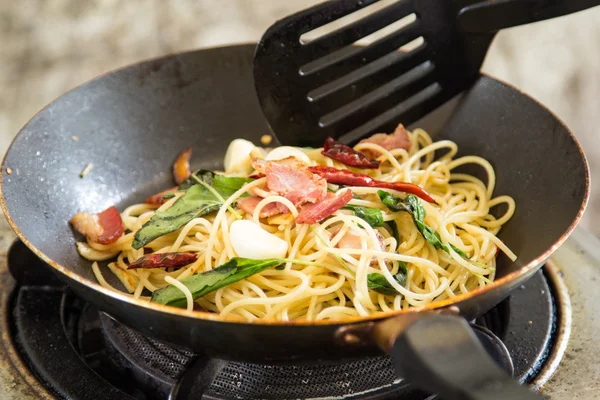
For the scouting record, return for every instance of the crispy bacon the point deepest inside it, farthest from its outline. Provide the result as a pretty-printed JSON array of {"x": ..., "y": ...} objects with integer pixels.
[
  {"x": 158, "y": 198},
  {"x": 248, "y": 204},
  {"x": 313, "y": 213},
  {"x": 260, "y": 166},
  {"x": 289, "y": 178},
  {"x": 181, "y": 166},
  {"x": 397, "y": 140},
  {"x": 104, "y": 228},
  {"x": 347, "y": 155},
  {"x": 164, "y": 260},
  {"x": 292, "y": 179},
  {"x": 350, "y": 240},
  {"x": 349, "y": 178}
]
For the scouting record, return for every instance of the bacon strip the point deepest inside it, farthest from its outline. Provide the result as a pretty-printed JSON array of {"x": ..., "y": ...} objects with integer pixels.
[
  {"x": 158, "y": 198},
  {"x": 164, "y": 260},
  {"x": 313, "y": 213},
  {"x": 349, "y": 178},
  {"x": 104, "y": 228},
  {"x": 289, "y": 178},
  {"x": 181, "y": 166},
  {"x": 292, "y": 179},
  {"x": 112, "y": 225},
  {"x": 347, "y": 155},
  {"x": 397, "y": 140},
  {"x": 353, "y": 241},
  {"x": 248, "y": 204}
]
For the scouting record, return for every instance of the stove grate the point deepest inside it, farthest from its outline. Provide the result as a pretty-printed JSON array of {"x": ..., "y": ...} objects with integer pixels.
[
  {"x": 340, "y": 380},
  {"x": 236, "y": 380},
  {"x": 162, "y": 361}
]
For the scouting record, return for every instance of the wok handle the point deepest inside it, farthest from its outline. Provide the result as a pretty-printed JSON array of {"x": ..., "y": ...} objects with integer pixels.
[
  {"x": 440, "y": 354},
  {"x": 492, "y": 15}
]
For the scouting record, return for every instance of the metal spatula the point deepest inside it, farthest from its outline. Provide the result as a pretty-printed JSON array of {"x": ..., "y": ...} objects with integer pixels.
[{"x": 333, "y": 86}]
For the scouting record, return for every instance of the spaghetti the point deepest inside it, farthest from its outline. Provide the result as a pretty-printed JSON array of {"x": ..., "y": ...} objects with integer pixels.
[{"x": 333, "y": 267}]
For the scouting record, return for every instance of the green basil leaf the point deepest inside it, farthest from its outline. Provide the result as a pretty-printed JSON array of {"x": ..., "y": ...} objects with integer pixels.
[
  {"x": 200, "y": 285},
  {"x": 228, "y": 185},
  {"x": 403, "y": 268},
  {"x": 432, "y": 236},
  {"x": 395, "y": 233},
  {"x": 413, "y": 206},
  {"x": 394, "y": 203},
  {"x": 224, "y": 185},
  {"x": 373, "y": 216},
  {"x": 459, "y": 251},
  {"x": 203, "y": 175},
  {"x": 418, "y": 210},
  {"x": 380, "y": 284},
  {"x": 195, "y": 202}
]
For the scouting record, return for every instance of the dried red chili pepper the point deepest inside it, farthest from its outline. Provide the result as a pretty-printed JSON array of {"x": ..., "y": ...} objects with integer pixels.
[
  {"x": 347, "y": 155},
  {"x": 164, "y": 260},
  {"x": 345, "y": 177}
]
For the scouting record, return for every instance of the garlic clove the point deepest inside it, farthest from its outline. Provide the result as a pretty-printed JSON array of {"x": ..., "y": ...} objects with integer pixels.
[
  {"x": 237, "y": 157},
  {"x": 279, "y": 153},
  {"x": 249, "y": 240}
]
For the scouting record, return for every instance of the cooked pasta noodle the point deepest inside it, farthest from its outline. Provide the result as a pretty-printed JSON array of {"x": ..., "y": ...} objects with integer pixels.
[{"x": 332, "y": 281}]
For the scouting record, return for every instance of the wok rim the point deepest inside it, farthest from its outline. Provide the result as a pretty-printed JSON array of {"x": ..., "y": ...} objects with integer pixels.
[{"x": 204, "y": 315}]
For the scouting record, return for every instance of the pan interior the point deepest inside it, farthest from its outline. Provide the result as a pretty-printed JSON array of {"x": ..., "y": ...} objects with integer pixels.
[{"x": 130, "y": 124}]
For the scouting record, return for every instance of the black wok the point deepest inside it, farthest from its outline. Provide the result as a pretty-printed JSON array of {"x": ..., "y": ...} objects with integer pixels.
[{"x": 131, "y": 123}]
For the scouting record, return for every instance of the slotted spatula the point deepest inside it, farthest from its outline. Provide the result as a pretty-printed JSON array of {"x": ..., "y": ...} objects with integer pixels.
[{"x": 332, "y": 86}]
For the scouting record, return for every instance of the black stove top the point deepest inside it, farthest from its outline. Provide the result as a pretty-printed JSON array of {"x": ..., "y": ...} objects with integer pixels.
[{"x": 80, "y": 353}]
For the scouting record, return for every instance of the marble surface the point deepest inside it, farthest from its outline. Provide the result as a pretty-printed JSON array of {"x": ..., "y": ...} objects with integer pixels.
[{"x": 51, "y": 46}]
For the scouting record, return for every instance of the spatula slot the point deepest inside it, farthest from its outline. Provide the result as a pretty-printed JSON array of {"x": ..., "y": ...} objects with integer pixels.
[
  {"x": 376, "y": 38},
  {"x": 386, "y": 31},
  {"x": 412, "y": 45},
  {"x": 409, "y": 58},
  {"x": 365, "y": 8},
  {"x": 393, "y": 115},
  {"x": 381, "y": 92}
]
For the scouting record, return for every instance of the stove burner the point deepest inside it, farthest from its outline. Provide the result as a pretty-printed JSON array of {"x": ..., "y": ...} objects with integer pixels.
[
  {"x": 60, "y": 337},
  {"x": 251, "y": 381},
  {"x": 147, "y": 358}
]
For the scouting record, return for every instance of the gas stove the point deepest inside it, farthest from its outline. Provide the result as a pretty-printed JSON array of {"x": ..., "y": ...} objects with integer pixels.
[{"x": 54, "y": 345}]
